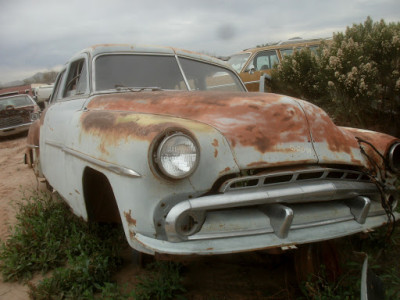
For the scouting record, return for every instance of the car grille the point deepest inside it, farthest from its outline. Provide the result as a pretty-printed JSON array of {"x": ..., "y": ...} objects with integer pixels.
[{"x": 264, "y": 180}]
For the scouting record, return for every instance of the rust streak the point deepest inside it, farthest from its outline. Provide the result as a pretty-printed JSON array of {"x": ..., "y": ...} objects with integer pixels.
[{"x": 129, "y": 219}]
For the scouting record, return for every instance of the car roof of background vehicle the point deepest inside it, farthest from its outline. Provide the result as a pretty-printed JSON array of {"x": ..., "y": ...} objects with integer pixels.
[
  {"x": 143, "y": 49},
  {"x": 285, "y": 45}
]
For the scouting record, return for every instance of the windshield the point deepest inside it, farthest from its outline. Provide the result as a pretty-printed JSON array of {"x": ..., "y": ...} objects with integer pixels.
[
  {"x": 206, "y": 77},
  {"x": 237, "y": 61},
  {"x": 17, "y": 101},
  {"x": 124, "y": 70},
  {"x": 138, "y": 71}
]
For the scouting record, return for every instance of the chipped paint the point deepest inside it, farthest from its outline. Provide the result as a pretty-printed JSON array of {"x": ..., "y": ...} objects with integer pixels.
[{"x": 129, "y": 219}]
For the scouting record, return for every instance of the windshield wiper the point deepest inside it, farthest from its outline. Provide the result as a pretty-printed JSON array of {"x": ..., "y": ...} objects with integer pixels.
[{"x": 138, "y": 89}]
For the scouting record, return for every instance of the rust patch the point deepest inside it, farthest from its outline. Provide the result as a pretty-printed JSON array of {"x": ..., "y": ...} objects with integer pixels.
[
  {"x": 278, "y": 119},
  {"x": 215, "y": 153},
  {"x": 109, "y": 126},
  {"x": 132, "y": 234},
  {"x": 215, "y": 143},
  {"x": 226, "y": 170},
  {"x": 262, "y": 164},
  {"x": 129, "y": 219},
  {"x": 325, "y": 131},
  {"x": 76, "y": 191}
]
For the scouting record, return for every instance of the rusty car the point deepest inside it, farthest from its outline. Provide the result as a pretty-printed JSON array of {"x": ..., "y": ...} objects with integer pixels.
[
  {"x": 17, "y": 113},
  {"x": 170, "y": 144},
  {"x": 254, "y": 65}
]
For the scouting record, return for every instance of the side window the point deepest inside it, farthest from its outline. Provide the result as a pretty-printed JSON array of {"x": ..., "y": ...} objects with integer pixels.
[
  {"x": 265, "y": 60},
  {"x": 76, "y": 82},
  {"x": 56, "y": 91}
]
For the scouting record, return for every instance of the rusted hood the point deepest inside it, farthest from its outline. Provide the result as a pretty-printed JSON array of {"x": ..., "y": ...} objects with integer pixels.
[{"x": 262, "y": 129}]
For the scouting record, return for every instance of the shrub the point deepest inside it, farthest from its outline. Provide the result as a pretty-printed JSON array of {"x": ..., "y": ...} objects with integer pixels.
[{"x": 357, "y": 74}]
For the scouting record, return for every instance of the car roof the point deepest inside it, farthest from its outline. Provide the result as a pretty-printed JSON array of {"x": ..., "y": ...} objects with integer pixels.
[
  {"x": 285, "y": 45},
  {"x": 143, "y": 49}
]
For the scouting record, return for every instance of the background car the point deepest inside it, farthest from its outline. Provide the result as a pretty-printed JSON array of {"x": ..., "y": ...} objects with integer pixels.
[
  {"x": 17, "y": 113},
  {"x": 254, "y": 63}
]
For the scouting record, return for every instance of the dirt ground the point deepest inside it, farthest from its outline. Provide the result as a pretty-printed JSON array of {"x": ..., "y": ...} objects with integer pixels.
[{"x": 240, "y": 276}]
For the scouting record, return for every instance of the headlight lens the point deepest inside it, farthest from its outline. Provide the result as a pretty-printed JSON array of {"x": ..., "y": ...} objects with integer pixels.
[
  {"x": 34, "y": 116},
  {"x": 177, "y": 156}
]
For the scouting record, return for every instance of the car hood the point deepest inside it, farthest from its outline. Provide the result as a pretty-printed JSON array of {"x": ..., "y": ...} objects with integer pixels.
[{"x": 263, "y": 130}]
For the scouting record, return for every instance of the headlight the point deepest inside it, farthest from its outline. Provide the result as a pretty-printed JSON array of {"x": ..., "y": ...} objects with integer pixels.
[
  {"x": 394, "y": 158},
  {"x": 177, "y": 156},
  {"x": 34, "y": 116}
]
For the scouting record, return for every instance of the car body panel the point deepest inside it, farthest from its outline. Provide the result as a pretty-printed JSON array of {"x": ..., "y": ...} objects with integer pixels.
[{"x": 271, "y": 170}]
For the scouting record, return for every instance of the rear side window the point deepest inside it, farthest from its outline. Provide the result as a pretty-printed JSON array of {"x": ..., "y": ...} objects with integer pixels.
[
  {"x": 56, "y": 92},
  {"x": 76, "y": 83}
]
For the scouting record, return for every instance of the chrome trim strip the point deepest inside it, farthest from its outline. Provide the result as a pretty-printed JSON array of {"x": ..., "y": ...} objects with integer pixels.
[
  {"x": 250, "y": 82},
  {"x": 9, "y": 128},
  {"x": 183, "y": 73},
  {"x": 109, "y": 166},
  {"x": 219, "y": 235}
]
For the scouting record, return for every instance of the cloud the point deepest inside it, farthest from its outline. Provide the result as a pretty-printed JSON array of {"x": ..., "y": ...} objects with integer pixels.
[{"x": 39, "y": 35}]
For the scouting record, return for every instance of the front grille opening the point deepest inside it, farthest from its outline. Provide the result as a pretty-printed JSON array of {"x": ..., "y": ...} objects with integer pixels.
[
  {"x": 244, "y": 183},
  {"x": 278, "y": 179},
  {"x": 304, "y": 176},
  {"x": 335, "y": 175},
  {"x": 365, "y": 177},
  {"x": 353, "y": 176}
]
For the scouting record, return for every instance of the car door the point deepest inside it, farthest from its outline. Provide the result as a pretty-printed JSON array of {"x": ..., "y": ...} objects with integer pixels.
[{"x": 69, "y": 96}]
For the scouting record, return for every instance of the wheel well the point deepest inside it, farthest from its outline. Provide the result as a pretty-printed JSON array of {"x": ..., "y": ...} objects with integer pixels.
[{"x": 99, "y": 198}]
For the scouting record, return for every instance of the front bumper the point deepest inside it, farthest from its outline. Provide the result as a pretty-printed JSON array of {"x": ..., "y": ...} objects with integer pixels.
[
  {"x": 257, "y": 241},
  {"x": 6, "y": 131},
  {"x": 267, "y": 211}
]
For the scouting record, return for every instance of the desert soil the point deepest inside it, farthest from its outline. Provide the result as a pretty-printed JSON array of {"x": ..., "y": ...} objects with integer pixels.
[{"x": 239, "y": 276}]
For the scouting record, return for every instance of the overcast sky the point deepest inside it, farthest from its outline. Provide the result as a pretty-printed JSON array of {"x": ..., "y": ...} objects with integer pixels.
[{"x": 41, "y": 35}]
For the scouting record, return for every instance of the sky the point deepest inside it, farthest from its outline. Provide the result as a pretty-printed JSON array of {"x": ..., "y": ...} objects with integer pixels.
[{"x": 41, "y": 35}]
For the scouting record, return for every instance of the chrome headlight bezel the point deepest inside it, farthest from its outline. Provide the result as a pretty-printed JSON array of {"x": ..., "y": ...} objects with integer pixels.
[
  {"x": 161, "y": 158},
  {"x": 33, "y": 116},
  {"x": 394, "y": 157}
]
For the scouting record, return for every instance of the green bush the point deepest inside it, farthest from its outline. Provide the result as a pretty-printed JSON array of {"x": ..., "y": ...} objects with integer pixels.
[
  {"x": 82, "y": 257},
  {"x": 356, "y": 76}
]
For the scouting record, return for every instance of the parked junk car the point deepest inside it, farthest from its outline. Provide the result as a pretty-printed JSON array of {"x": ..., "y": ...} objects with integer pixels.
[
  {"x": 254, "y": 65},
  {"x": 17, "y": 113},
  {"x": 42, "y": 94},
  {"x": 169, "y": 143}
]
